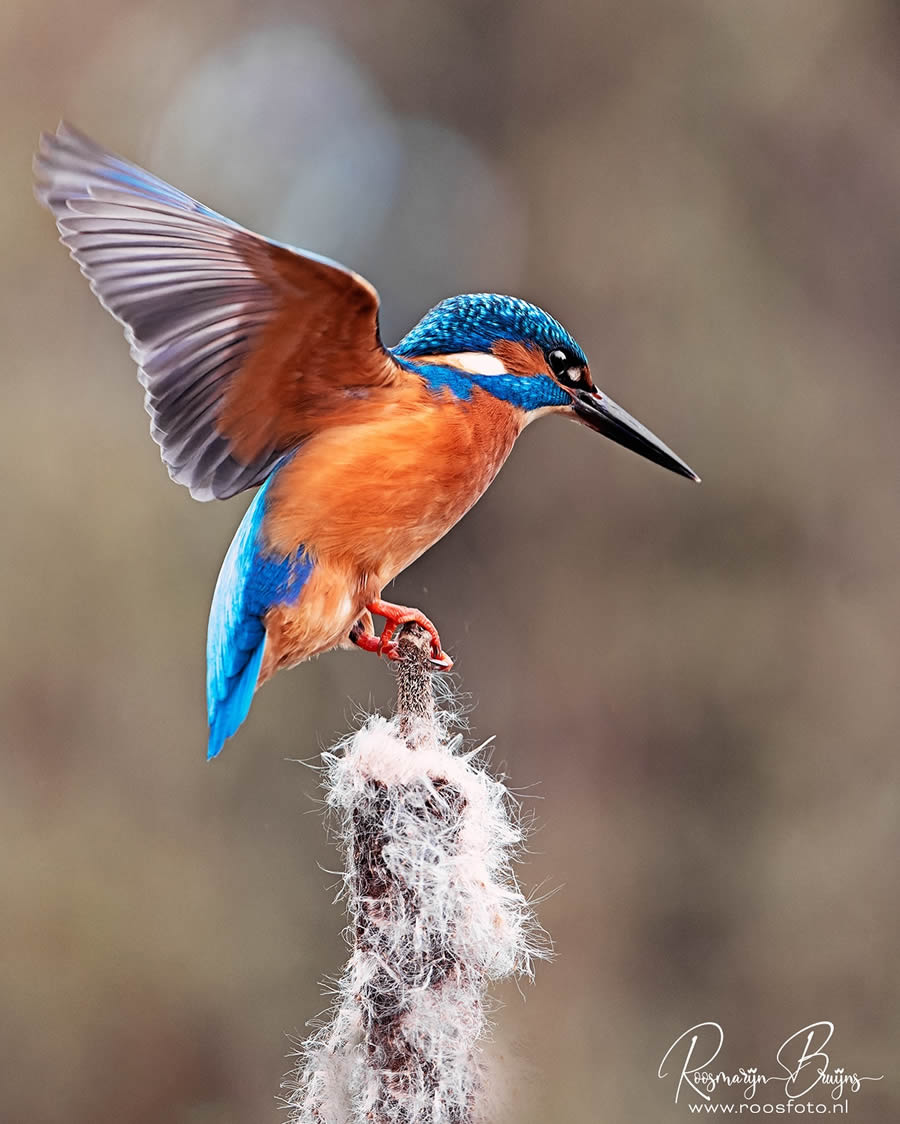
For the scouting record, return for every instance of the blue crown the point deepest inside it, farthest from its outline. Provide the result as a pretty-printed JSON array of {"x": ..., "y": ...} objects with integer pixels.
[{"x": 475, "y": 321}]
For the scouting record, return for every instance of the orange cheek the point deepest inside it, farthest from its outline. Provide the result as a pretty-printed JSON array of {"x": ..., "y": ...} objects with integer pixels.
[{"x": 521, "y": 358}]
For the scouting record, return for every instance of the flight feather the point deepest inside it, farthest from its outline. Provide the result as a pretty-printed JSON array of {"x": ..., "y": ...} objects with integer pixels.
[{"x": 244, "y": 346}]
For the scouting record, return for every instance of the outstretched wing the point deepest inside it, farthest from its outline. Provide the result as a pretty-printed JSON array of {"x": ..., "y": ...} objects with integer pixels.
[{"x": 244, "y": 346}]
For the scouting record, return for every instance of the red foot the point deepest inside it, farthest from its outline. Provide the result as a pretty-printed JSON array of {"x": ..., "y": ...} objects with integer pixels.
[
  {"x": 394, "y": 616},
  {"x": 368, "y": 641}
]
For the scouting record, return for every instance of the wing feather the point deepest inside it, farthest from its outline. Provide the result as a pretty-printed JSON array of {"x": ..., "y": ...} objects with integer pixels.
[{"x": 244, "y": 346}]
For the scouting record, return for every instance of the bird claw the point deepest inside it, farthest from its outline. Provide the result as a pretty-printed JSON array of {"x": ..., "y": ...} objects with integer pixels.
[
  {"x": 385, "y": 645},
  {"x": 438, "y": 658}
]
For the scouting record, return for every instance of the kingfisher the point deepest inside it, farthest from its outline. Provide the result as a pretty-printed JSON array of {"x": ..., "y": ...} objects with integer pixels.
[{"x": 263, "y": 367}]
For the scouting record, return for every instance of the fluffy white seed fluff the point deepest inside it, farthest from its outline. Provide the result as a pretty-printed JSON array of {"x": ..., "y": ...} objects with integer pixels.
[{"x": 435, "y": 913}]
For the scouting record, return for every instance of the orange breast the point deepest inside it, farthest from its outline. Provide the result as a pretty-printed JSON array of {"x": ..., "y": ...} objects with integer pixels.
[{"x": 373, "y": 495}]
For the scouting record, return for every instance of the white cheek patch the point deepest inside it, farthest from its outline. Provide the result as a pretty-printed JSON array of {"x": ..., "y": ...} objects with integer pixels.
[
  {"x": 533, "y": 415},
  {"x": 477, "y": 363}
]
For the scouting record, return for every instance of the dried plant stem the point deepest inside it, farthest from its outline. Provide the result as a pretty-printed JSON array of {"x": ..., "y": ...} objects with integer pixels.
[
  {"x": 415, "y": 689},
  {"x": 435, "y": 913}
]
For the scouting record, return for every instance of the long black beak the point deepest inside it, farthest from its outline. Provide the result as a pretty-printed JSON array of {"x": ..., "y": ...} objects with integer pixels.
[{"x": 599, "y": 412}]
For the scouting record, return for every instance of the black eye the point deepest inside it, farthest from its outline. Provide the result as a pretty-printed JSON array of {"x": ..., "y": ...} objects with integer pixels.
[
  {"x": 566, "y": 368},
  {"x": 559, "y": 360}
]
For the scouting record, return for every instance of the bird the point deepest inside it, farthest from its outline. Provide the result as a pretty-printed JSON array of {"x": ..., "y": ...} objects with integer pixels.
[{"x": 263, "y": 367}]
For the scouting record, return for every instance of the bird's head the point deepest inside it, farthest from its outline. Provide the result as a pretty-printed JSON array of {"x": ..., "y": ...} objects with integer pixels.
[{"x": 521, "y": 355}]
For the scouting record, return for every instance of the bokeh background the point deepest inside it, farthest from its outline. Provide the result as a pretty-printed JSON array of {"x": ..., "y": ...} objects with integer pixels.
[{"x": 695, "y": 689}]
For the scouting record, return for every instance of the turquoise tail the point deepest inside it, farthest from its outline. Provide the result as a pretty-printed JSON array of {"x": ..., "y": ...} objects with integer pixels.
[{"x": 228, "y": 714}]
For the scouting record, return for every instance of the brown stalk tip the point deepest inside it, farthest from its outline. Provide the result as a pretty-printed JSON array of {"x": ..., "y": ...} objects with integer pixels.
[{"x": 415, "y": 692}]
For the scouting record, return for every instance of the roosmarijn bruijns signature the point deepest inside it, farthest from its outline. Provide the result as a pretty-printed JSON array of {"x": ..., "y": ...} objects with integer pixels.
[{"x": 802, "y": 1060}]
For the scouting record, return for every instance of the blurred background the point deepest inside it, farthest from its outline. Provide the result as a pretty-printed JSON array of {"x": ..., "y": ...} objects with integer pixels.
[{"x": 695, "y": 689}]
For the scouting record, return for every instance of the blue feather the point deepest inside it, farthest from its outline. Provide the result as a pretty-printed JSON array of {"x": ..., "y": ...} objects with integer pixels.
[
  {"x": 475, "y": 322},
  {"x": 528, "y": 392},
  {"x": 252, "y": 581}
]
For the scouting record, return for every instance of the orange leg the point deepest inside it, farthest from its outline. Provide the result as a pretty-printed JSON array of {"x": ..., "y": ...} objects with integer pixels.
[{"x": 394, "y": 616}]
